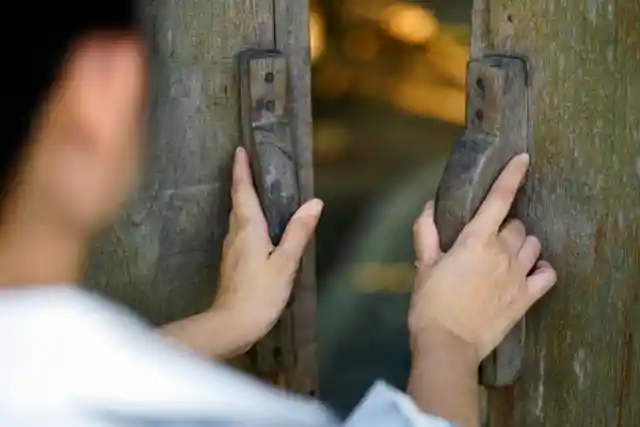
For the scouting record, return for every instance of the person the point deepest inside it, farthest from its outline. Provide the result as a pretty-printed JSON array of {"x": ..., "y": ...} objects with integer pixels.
[{"x": 70, "y": 358}]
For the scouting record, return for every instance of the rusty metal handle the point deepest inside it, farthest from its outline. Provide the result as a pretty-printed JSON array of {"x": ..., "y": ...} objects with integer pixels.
[{"x": 497, "y": 129}]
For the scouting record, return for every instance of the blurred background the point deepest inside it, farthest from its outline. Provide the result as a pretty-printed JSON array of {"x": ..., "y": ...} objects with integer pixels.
[{"x": 388, "y": 95}]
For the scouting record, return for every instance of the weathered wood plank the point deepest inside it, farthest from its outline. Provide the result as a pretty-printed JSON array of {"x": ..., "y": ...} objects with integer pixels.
[
  {"x": 162, "y": 256},
  {"x": 292, "y": 38},
  {"x": 583, "y": 340}
]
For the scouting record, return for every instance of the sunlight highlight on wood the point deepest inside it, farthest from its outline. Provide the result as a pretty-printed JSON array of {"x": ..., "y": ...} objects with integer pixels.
[{"x": 317, "y": 36}]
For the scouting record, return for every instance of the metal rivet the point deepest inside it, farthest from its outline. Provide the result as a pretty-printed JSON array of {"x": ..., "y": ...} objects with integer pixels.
[{"x": 270, "y": 106}]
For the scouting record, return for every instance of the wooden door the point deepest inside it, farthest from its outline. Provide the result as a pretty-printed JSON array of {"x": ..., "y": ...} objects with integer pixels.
[
  {"x": 583, "y": 340},
  {"x": 162, "y": 256}
]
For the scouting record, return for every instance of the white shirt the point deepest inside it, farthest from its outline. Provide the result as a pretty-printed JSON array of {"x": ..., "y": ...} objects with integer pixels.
[{"x": 71, "y": 359}]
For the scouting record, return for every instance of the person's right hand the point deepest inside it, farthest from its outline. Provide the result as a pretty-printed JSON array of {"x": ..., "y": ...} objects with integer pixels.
[
  {"x": 483, "y": 286},
  {"x": 256, "y": 277}
]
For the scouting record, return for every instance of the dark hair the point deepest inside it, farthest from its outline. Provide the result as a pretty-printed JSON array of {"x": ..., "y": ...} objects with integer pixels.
[{"x": 34, "y": 51}]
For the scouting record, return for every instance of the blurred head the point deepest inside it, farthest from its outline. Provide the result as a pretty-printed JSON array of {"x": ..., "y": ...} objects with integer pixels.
[{"x": 72, "y": 128}]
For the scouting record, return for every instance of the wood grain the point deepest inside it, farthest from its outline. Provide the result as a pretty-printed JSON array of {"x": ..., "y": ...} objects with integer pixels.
[
  {"x": 583, "y": 340},
  {"x": 292, "y": 38},
  {"x": 162, "y": 256}
]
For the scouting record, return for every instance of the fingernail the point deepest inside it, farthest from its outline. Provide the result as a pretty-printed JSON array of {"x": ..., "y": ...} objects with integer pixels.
[
  {"x": 429, "y": 205},
  {"x": 311, "y": 208},
  {"x": 524, "y": 157},
  {"x": 237, "y": 171}
]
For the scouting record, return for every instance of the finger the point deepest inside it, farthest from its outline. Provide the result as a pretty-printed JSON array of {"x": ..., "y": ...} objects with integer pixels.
[
  {"x": 296, "y": 236},
  {"x": 513, "y": 235},
  {"x": 529, "y": 253},
  {"x": 496, "y": 205},
  {"x": 536, "y": 286},
  {"x": 425, "y": 236},
  {"x": 243, "y": 193}
]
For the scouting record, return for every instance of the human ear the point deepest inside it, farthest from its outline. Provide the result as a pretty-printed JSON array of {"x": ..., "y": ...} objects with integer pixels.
[
  {"x": 106, "y": 78},
  {"x": 89, "y": 150}
]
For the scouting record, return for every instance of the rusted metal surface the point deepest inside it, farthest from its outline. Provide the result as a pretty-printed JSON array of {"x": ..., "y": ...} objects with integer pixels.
[
  {"x": 497, "y": 129},
  {"x": 582, "y": 193}
]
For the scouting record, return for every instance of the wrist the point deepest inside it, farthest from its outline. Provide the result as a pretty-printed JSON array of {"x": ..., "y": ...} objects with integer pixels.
[
  {"x": 435, "y": 344},
  {"x": 233, "y": 324},
  {"x": 444, "y": 376}
]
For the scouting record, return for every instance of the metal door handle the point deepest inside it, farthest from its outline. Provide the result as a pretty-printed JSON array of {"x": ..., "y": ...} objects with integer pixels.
[
  {"x": 497, "y": 129},
  {"x": 266, "y": 135}
]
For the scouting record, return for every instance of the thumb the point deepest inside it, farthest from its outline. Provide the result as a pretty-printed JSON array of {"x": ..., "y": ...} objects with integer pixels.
[
  {"x": 425, "y": 237},
  {"x": 297, "y": 235}
]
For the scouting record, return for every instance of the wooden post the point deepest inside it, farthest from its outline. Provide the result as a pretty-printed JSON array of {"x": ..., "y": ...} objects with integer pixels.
[
  {"x": 162, "y": 256},
  {"x": 582, "y": 363},
  {"x": 292, "y": 38}
]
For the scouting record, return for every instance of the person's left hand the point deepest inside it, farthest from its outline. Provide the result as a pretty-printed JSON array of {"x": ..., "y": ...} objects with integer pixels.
[
  {"x": 256, "y": 278},
  {"x": 476, "y": 292}
]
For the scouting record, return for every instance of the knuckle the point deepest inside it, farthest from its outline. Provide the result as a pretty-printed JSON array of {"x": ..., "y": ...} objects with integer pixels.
[
  {"x": 514, "y": 230},
  {"x": 526, "y": 298},
  {"x": 535, "y": 243},
  {"x": 508, "y": 231},
  {"x": 241, "y": 220},
  {"x": 307, "y": 224},
  {"x": 503, "y": 192},
  {"x": 236, "y": 193},
  {"x": 418, "y": 225},
  {"x": 472, "y": 241},
  {"x": 513, "y": 294},
  {"x": 516, "y": 224},
  {"x": 502, "y": 258},
  {"x": 301, "y": 228}
]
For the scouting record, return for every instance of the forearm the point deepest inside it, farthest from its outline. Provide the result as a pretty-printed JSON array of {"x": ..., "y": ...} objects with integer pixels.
[
  {"x": 444, "y": 379},
  {"x": 211, "y": 335}
]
